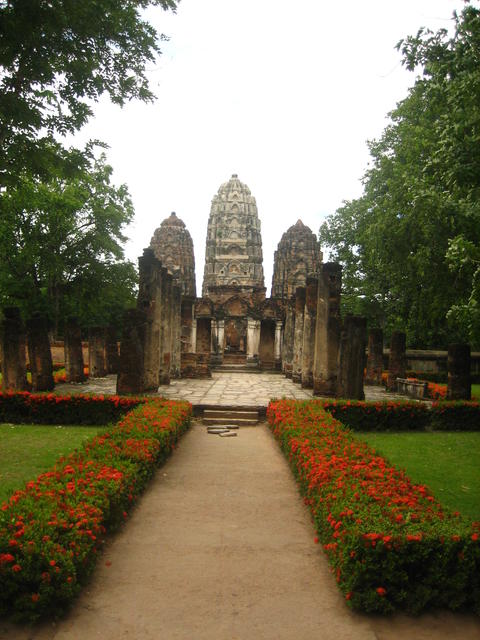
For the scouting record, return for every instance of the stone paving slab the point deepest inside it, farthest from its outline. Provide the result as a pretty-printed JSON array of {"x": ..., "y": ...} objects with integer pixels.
[{"x": 224, "y": 388}]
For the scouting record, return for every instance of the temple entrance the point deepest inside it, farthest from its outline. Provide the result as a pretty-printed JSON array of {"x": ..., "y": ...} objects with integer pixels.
[
  {"x": 267, "y": 344},
  {"x": 235, "y": 341}
]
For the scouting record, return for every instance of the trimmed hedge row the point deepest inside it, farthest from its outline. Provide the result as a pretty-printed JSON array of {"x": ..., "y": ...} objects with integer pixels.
[
  {"x": 28, "y": 408},
  {"x": 405, "y": 416},
  {"x": 390, "y": 544},
  {"x": 51, "y": 531}
]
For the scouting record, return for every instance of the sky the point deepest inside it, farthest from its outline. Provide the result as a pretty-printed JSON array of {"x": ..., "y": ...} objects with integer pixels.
[{"x": 285, "y": 94}]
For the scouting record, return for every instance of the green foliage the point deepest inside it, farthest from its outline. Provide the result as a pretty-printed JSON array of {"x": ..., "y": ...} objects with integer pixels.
[
  {"x": 402, "y": 244},
  {"x": 57, "y": 58},
  {"x": 61, "y": 244}
]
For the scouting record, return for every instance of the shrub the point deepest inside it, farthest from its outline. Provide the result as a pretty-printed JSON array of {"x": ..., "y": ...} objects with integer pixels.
[
  {"x": 29, "y": 408},
  {"x": 51, "y": 531},
  {"x": 390, "y": 544}
]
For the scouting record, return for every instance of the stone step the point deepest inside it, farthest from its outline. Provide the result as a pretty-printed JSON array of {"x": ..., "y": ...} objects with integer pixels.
[
  {"x": 225, "y": 422},
  {"x": 230, "y": 413}
]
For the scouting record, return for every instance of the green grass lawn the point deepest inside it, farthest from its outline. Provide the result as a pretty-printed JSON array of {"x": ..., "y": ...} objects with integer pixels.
[
  {"x": 448, "y": 463},
  {"x": 27, "y": 450},
  {"x": 475, "y": 391}
]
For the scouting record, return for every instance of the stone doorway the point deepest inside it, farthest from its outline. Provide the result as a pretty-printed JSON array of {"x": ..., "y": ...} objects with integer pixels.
[
  {"x": 267, "y": 344},
  {"x": 204, "y": 335},
  {"x": 235, "y": 340}
]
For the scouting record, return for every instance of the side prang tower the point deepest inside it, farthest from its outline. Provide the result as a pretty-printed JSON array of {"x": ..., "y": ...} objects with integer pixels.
[
  {"x": 297, "y": 256},
  {"x": 173, "y": 246},
  {"x": 233, "y": 255}
]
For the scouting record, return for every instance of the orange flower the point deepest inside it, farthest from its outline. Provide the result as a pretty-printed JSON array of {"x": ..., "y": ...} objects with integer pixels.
[{"x": 381, "y": 591}]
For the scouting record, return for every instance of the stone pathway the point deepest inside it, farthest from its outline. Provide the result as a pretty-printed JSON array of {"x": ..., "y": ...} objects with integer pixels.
[
  {"x": 222, "y": 548},
  {"x": 224, "y": 388}
]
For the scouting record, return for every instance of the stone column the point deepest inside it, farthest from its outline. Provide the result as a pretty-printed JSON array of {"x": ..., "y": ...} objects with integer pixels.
[
  {"x": 74, "y": 366},
  {"x": 165, "y": 327},
  {"x": 327, "y": 331},
  {"x": 130, "y": 377},
  {"x": 96, "y": 352},
  {"x": 220, "y": 339},
  {"x": 112, "y": 350},
  {"x": 14, "y": 370},
  {"x": 194, "y": 335},
  {"x": 375, "y": 357},
  {"x": 253, "y": 340},
  {"x": 309, "y": 321},
  {"x": 288, "y": 335},
  {"x": 214, "y": 358},
  {"x": 300, "y": 294},
  {"x": 150, "y": 303},
  {"x": 39, "y": 354},
  {"x": 397, "y": 360},
  {"x": 459, "y": 367},
  {"x": 187, "y": 308},
  {"x": 353, "y": 343},
  {"x": 176, "y": 330},
  {"x": 277, "y": 348}
]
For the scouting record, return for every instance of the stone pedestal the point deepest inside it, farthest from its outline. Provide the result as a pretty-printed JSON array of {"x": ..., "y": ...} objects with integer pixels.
[
  {"x": 74, "y": 365},
  {"x": 97, "y": 364},
  {"x": 309, "y": 321},
  {"x": 352, "y": 358},
  {"x": 165, "y": 328},
  {"x": 39, "y": 354},
  {"x": 112, "y": 350},
  {"x": 459, "y": 378},
  {"x": 288, "y": 337},
  {"x": 375, "y": 357},
  {"x": 397, "y": 360},
  {"x": 14, "y": 370},
  {"x": 130, "y": 377},
  {"x": 300, "y": 294},
  {"x": 253, "y": 341},
  {"x": 327, "y": 331}
]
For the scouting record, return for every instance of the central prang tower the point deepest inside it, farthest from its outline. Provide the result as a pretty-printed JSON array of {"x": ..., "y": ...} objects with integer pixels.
[{"x": 233, "y": 255}]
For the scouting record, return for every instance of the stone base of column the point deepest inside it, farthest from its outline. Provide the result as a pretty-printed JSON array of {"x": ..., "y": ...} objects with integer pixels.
[
  {"x": 216, "y": 358},
  {"x": 296, "y": 377},
  {"x": 327, "y": 388},
  {"x": 252, "y": 361},
  {"x": 307, "y": 382},
  {"x": 287, "y": 370}
]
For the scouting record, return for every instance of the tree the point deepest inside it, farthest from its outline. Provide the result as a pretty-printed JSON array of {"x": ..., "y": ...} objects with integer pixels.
[
  {"x": 58, "y": 57},
  {"x": 421, "y": 193},
  {"x": 61, "y": 244}
]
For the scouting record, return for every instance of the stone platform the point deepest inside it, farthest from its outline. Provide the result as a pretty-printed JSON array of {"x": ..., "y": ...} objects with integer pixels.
[{"x": 224, "y": 388}]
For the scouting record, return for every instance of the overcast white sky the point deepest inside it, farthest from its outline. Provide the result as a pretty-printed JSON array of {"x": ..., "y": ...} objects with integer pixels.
[{"x": 284, "y": 93}]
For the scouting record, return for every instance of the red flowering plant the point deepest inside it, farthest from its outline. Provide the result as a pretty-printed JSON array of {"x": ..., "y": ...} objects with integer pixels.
[
  {"x": 49, "y": 408},
  {"x": 390, "y": 544},
  {"x": 51, "y": 531}
]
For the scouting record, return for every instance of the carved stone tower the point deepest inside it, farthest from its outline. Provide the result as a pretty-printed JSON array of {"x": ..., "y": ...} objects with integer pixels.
[
  {"x": 173, "y": 246},
  {"x": 297, "y": 256},
  {"x": 233, "y": 256}
]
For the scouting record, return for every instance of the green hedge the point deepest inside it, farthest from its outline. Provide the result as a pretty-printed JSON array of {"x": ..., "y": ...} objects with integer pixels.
[
  {"x": 51, "y": 531},
  {"x": 391, "y": 544},
  {"x": 29, "y": 408},
  {"x": 405, "y": 416}
]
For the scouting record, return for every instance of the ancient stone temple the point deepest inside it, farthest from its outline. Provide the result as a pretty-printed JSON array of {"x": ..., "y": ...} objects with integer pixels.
[
  {"x": 172, "y": 245},
  {"x": 233, "y": 283},
  {"x": 297, "y": 256}
]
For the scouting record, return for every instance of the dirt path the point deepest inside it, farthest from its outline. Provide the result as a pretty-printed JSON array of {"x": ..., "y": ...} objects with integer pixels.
[{"x": 221, "y": 547}]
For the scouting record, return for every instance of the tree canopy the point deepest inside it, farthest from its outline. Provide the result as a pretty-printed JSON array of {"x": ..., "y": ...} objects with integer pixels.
[{"x": 410, "y": 244}]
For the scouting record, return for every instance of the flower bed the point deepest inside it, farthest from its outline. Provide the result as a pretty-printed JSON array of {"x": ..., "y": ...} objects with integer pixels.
[
  {"x": 51, "y": 531},
  {"x": 390, "y": 544},
  {"x": 404, "y": 416},
  {"x": 28, "y": 408}
]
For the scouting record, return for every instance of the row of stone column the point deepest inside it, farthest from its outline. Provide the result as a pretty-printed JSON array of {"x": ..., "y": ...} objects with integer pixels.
[
  {"x": 319, "y": 350},
  {"x": 150, "y": 349},
  {"x": 458, "y": 364},
  {"x": 16, "y": 339}
]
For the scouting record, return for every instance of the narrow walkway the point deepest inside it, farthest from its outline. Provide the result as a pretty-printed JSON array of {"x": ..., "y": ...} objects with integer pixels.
[{"x": 222, "y": 548}]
